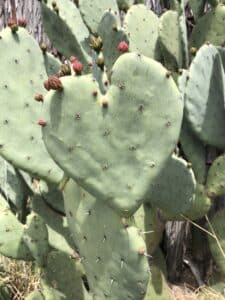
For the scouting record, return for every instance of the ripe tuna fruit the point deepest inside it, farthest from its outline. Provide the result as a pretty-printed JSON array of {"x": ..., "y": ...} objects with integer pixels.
[
  {"x": 53, "y": 83},
  {"x": 41, "y": 122},
  {"x": 123, "y": 47},
  {"x": 78, "y": 67}
]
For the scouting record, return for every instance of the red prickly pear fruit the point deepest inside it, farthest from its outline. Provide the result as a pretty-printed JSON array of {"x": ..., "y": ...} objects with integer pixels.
[
  {"x": 13, "y": 25},
  {"x": 141, "y": 251},
  {"x": 73, "y": 59},
  {"x": 55, "y": 83},
  {"x": 41, "y": 122},
  {"x": 22, "y": 22},
  {"x": 78, "y": 67},
  {"x": 123, "y": 47},
  {"x": 39, "y": 97}
]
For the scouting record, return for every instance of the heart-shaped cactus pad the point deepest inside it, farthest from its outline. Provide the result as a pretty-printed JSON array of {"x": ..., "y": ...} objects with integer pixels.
[{"x": 113, "y": 145}]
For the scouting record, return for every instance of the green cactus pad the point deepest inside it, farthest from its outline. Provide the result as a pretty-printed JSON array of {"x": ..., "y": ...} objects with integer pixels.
[
  {"x": 12, "y": 184},
  {"x": 111, "y": 35},
  {"x": 62, "y": 278},
  {"x": 11, "y": 234},
  {"x": 172, "y": 49},
  {"x": 205, "y": 94},
  {"x": 52, "y": 195},
  {"x": 22, "y": 58},
  {"x": 216, "y": 177},
  {"x": 194, "y": 150},
  {"x": 209, "y": 28},
  {"x": 135, "y": 133},
  {"x": 58, "y": 232},
  {"x": 158, "y": 288},
  {"x": 141, "y": 26},
  {"x": 35, "y": 295},
  {"x": 218, "y": 253},
  {"x": 197, "y": 7},
  {"x": 52, "y": 64},
  {"x": 174, "y": 188},
  {"x": 200, "y": 206},
  {"x": 67, "y": 30},
  {"x": 111, "y": 252},
  {"x": 93, "y": 12},
  {"x": 36, "y": 238},
  {"x": 147, "y": 219}
]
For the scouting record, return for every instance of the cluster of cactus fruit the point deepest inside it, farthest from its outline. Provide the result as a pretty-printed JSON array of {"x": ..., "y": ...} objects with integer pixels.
[{"x": 126, "y": 118}]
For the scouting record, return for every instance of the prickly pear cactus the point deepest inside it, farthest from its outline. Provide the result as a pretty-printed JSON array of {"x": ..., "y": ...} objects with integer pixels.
[
  {"x": 66, "y": 29},
  {"x": 111, "y": 34},
  {"x": 204, "y": 97},
  {"x": 23, "y": 60},
  {"x": 215, "y": 179},
  {"x": 209, "y": 28},
  {"x": 62, "y": 278},
  {"x": 173, "y": 189},
  {"x": 113, "y": 254},
  {"x": 217, "y": 247},
  {"x": 136, "y": 21},
  {"x": 93, "y": 12},
  {"x": 115, "y": 132}
]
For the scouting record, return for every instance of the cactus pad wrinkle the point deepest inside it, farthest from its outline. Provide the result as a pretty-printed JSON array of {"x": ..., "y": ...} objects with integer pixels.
[
  {"x": 109, "y": 249},
  {"x": 104, "y": 143},
  {"x": 173, "y": 189},
  {"x": 25, "y": 73},
  {"x": 141, "y": 26},
  {"x": 205, "y": 97},
  {"x": 93, "y": 12},
  {"x": 62, "y": 278}
]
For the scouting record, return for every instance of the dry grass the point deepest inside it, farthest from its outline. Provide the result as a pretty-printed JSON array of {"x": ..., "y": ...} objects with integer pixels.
[
  {"x": 187, "y": 293},
  {"x": 19, "y": 277}
]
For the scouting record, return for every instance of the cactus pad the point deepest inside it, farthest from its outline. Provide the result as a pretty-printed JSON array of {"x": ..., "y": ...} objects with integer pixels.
[
  {"x": 62, "y": 278},
  {"x": 205, "y": 94},
  {"x": 110, "y": 251},
  {"x": 141, "y": 26},
  {"x": 22, "y": 58},
  {"x": 93, "y": 12},
  {"x": 209, "y": 28},
  {"x": 216, "y": 177},
  {"x": 66, "y": 29},
  {"x": 174, "y": 188},
  {"x": 115, "y": 133}
]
